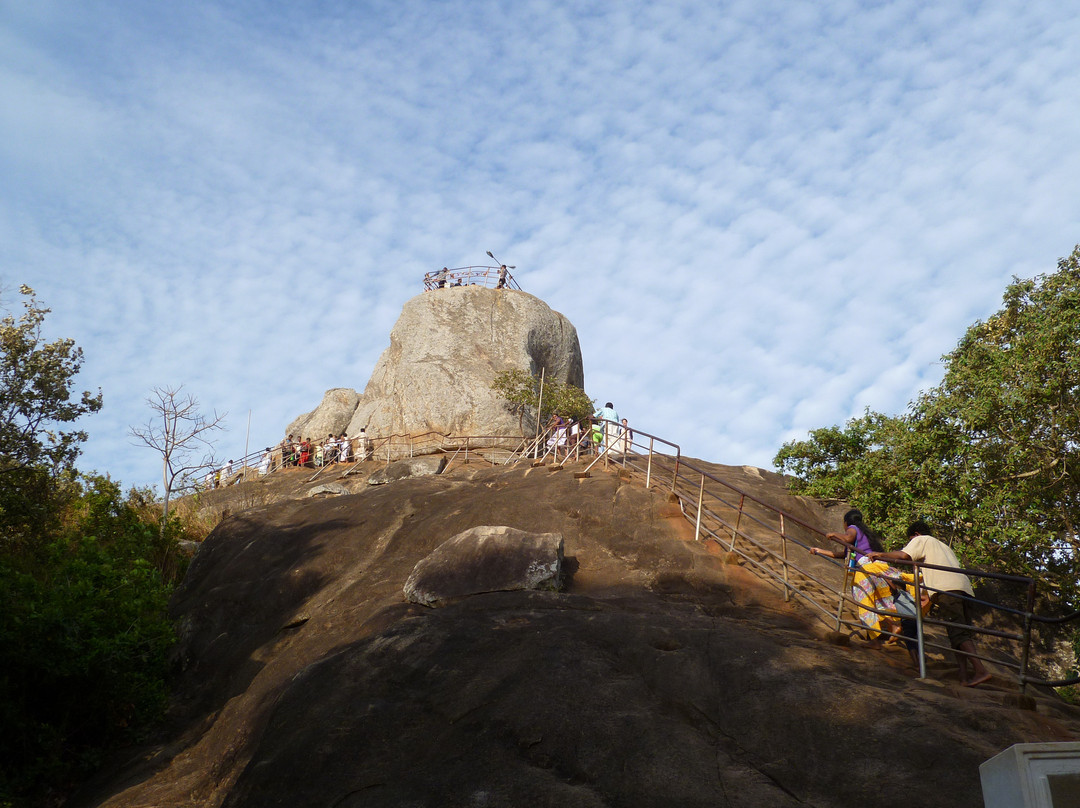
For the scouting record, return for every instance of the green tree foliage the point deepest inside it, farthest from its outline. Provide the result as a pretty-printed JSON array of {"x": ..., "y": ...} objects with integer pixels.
[
  {"x": 84, "y": 641},
  {"x": 85, "y": 576},
  {"x": 36, "y": 408},
  {"x": 521, "y": 392},
  {"x": 991, "y": 456}
]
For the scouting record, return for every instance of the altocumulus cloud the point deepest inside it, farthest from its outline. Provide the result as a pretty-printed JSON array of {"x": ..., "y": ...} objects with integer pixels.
[{"x": 763, "y": 217}]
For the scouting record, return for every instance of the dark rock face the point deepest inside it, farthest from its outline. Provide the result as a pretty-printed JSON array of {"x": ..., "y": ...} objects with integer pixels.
[
  {"x": 487, "y": 558},
  {"x": 659, "y": 677}
]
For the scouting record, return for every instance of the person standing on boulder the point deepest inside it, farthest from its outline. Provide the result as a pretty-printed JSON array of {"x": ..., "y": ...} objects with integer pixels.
[
  {"x": 949, "y": 593},
  {"x": 611, "y": 428}
]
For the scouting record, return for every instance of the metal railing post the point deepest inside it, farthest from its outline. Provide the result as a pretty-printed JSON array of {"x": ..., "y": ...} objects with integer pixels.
[
  {"x": 648, "y": 467},
  {"x": 843, "y": 589},
  {"x": 919, "y": 622},
  {"x": 700, "y": 496},
  {"x": 1027, "y": 637},
  {"x": 675, "y": 474},
  {"x": 783, "y": 548},
  {"x": 738, "y": 520}
]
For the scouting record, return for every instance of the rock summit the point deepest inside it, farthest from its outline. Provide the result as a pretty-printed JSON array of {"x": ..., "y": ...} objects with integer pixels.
[{"x": 445, "y": 350}]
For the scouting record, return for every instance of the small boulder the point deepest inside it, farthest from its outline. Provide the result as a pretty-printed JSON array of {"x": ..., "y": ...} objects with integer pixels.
[
  {"x": 410, "y": 467},
  {"x": 333, "y": 489},
  {"x": 487, "y": 558}
]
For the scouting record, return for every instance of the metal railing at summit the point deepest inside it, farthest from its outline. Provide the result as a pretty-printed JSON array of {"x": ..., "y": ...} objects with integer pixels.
[{"x": 489, "y": 277}]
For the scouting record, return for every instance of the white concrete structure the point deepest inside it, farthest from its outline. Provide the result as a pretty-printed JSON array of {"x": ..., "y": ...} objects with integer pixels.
[{"x": 1033, "y": 775}]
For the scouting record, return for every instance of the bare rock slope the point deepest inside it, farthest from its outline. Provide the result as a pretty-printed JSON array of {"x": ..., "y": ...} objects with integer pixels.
[
  {"x": 445, "y": 350},
  {"x": 658, "y": 676}
]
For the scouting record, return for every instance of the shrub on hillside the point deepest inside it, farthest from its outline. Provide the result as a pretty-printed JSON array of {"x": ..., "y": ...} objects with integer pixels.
[{"x": 84, "y": 641}]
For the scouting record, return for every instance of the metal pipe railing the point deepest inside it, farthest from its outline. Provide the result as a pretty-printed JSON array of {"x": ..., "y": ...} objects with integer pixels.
[
  {"x": 488, "y": 277},
  {"x": 699, "y": 493}
]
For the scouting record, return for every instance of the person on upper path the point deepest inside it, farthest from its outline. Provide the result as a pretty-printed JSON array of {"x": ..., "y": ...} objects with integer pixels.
[
  {"x": 949, "y": 592},
  {"x": 611, "y": 428}
]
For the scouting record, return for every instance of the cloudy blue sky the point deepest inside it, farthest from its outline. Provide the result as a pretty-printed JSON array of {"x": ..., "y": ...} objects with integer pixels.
[{"x": 762, "y": 216}]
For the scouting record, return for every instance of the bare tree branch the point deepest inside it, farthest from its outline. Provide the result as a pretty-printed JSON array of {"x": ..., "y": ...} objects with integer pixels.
[{"x": 177, "y": 431}]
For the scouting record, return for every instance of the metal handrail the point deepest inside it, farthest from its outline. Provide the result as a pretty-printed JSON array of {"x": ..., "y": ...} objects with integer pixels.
[
  {"x": 487, "y": 277},
  {"x": 694, "y": 489},
  {"x": 700, "y": 515}
]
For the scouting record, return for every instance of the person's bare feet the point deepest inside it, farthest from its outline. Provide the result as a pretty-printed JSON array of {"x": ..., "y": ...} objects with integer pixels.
[{"x": 978, "y": 680}]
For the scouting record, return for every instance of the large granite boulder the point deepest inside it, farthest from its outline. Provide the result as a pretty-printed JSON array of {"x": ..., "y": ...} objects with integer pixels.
[
  {"x": 331, "y": 416},
  {"x": 486, "y": 558},
  {"x": 444, "y": 352}
]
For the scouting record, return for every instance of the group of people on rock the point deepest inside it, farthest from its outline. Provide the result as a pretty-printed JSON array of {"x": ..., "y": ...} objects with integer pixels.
[
  {"x": 606, "y": 431},
  {"x": 218, "y": 477},
  {"x": 300, "y": 451},
  {"x": 877, "y": 586},
  {"x": 441, "y": 278}
]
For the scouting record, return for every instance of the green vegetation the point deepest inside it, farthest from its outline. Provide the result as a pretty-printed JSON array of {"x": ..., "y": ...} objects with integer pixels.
[
  {"x": 991, "y": 456},
  {"x": 85, "y": 575},
  {"x": 521, "y": 391}
]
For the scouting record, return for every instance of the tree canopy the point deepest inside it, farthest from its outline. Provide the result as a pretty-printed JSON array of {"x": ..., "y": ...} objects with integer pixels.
[
  {"x": 991, "y": 455},
  {"x": 85, "y": 575},
  {"x": 36, "y": 393},
  {"x": 521, "y": 392},
  {"x": 38, "y": 447}
]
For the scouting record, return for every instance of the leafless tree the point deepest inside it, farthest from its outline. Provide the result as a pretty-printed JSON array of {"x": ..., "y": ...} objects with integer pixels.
[{"x": 177, "y": 431}]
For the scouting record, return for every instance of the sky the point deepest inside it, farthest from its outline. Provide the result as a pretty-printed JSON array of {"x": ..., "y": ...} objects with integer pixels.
[{"x": 762, "y": 217}]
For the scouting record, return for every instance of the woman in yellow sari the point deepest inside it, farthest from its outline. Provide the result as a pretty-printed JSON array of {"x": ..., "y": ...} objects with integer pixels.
[{"x": 869, "y": 588}]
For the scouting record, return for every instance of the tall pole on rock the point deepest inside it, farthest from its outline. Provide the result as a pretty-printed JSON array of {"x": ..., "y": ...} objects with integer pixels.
[{"x": 539, "y": 410}]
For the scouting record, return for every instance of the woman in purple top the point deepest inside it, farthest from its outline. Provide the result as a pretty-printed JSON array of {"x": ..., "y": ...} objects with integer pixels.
[{"x": 869, "y": 591}]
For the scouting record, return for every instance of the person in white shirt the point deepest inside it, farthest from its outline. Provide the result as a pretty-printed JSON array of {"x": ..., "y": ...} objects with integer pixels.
[{"x": 948, "y": 589}]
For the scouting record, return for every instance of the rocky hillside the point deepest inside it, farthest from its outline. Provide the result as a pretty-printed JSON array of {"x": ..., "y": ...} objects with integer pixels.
[
  {"x": 658, "y": 676},
  {"x": 444, "y": 352}
]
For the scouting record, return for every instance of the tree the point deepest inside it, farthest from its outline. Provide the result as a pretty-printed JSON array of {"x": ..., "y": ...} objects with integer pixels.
[
  {"x": 177, "y": 431},
  {"x": 521, "y": 392},
  {"x": 36, "y": 400},
  {"x": 991, "y": 456},
  {"x": 84, "y": 580}
]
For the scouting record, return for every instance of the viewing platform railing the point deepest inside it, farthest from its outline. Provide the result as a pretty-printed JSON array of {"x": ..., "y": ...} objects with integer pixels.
[{"x": 488, "y": 277}]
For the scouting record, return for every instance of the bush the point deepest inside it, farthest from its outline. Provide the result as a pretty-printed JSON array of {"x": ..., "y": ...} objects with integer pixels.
[{"x": 84, "y": 641}]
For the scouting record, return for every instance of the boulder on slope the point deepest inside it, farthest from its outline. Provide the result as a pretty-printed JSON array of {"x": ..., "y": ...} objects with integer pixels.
[
  {"x": 331, "y": 416},
  {"x": 409, "y": 467},
  {"x": 486, "y": 558}
]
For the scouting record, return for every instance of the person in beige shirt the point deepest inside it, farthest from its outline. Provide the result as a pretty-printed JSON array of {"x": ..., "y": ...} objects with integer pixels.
[{"x": 947, "y": 592}]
